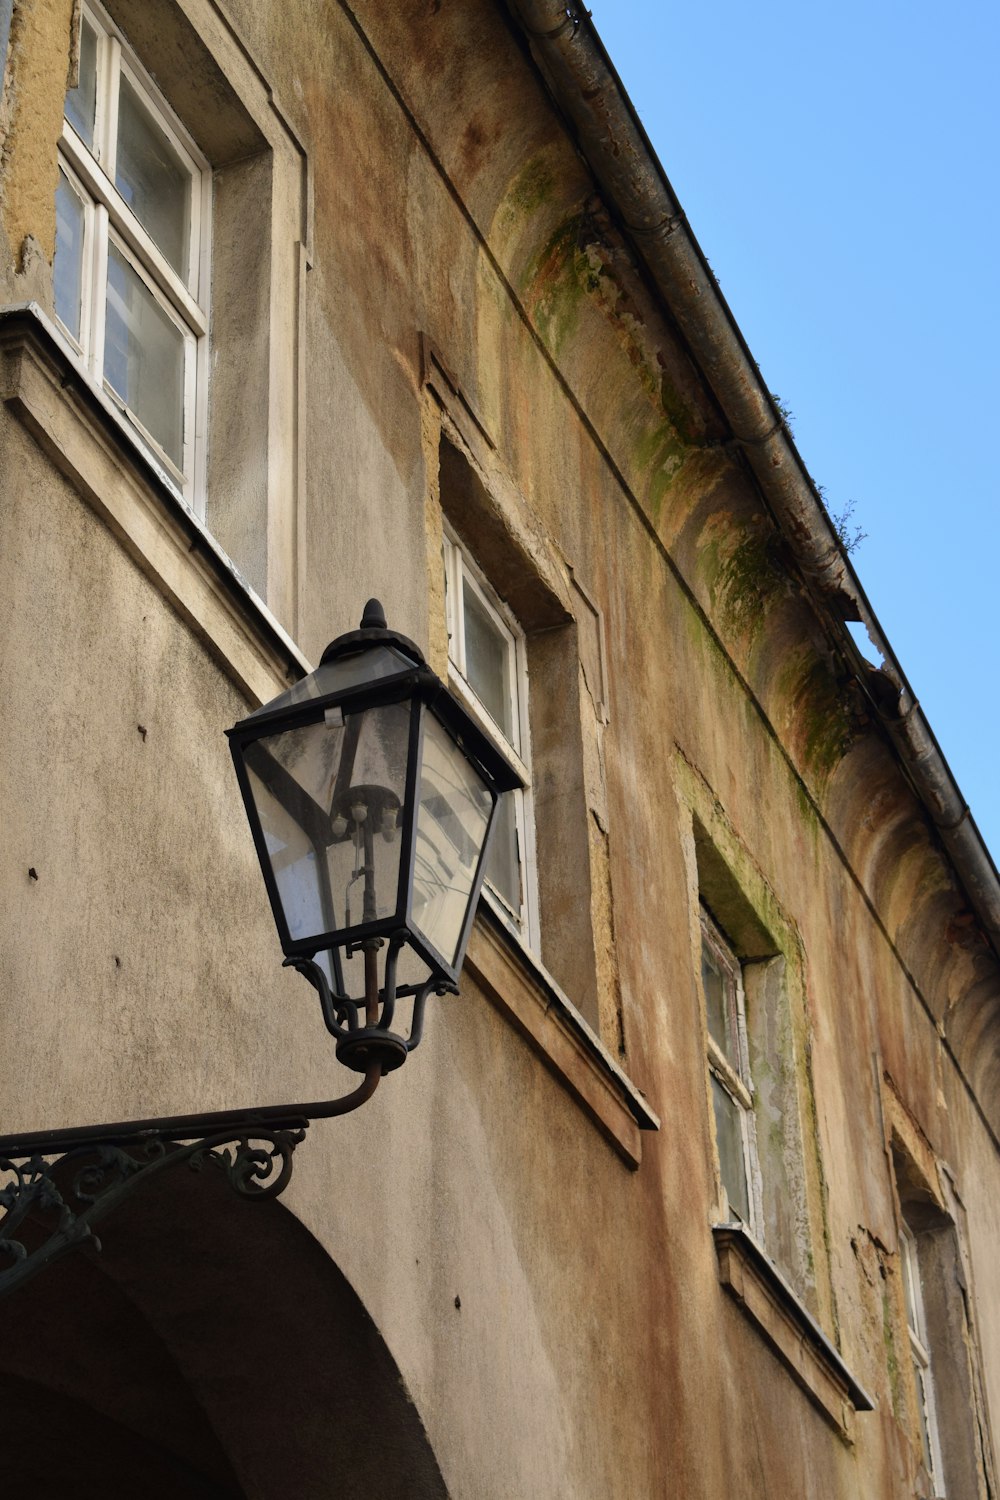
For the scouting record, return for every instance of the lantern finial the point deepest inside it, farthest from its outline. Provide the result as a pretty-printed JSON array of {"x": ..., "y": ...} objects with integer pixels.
[{"x": 374, "y": 616}]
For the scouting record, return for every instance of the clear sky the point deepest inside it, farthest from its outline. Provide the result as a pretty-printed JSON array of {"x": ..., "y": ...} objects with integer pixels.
[{"x": 838, "y": 164}]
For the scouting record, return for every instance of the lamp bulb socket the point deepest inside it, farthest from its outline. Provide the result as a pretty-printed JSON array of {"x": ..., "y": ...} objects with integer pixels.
[
  {"x": 339, "y": 826},
  {"x": 359, "y": 812}
]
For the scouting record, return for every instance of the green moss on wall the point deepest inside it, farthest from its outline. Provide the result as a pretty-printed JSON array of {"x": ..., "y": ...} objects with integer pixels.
[
  {"x": 748, "y": 579},
  {"x": 576, "y": 270},
  {"x": 825, "y": 726},
  {"x": 531, "y": 188},
  {"x": 553, "y": 288},
  {"x": 659, "y": 456}
]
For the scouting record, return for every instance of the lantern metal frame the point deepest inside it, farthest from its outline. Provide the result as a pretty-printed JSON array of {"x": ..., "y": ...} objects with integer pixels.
[{"x": 61, "y": 1183}]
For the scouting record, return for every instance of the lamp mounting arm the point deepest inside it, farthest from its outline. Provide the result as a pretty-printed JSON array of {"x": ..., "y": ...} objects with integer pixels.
[{"x": 60, "y": 1183}]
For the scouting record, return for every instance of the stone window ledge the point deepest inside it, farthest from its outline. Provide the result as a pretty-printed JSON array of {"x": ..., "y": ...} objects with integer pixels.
[
  {"x": 796, "y": 1338},
  {"x": 513, "y": 981},
  {"x": 43, "y": 384}
]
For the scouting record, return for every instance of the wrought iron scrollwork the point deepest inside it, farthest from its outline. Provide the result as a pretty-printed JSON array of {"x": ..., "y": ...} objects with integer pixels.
[
  {"x": 56, "y": 1185},
  {"x": 252, "y": 1169},
  {"x": 53, "y": 1199}
]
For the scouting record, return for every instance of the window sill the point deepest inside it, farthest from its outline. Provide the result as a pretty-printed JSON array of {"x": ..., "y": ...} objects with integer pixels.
[
  {"x": 768, "y": 1301},
  {"x": 513, "y": 981},
  {"x": 43, "y": 383}
]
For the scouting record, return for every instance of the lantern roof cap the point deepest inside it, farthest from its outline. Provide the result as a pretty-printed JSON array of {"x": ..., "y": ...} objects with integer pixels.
[
  {"x": 373, "y": 632},
  {"x": 368, "y": 655}
]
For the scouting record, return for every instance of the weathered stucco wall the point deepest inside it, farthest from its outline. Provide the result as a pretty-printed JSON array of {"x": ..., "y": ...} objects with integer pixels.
[{"x": 557, "y": 1317}]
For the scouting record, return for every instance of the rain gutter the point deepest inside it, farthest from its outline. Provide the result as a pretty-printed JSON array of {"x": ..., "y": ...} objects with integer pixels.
[{"x": 571, "y": 58}]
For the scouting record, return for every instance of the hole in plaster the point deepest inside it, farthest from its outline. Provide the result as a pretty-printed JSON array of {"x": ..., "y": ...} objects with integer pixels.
[{"x": 859, "y": 635}]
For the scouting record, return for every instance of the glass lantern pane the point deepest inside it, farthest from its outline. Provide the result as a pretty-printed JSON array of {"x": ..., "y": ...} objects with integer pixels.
[
  {"x": 729, "y": 1143},
  {"x": 329, "y": 800},
  {"x": 81, "y": 102},
  {"x": 487, "y": 662},
  {"x": 67, "y": 268},
  {"x": 338, "y": 676},
  {"x": 454, "y": 807},
  {"x": 144, "y": 356},
  {"x": 152, "y": 178}
]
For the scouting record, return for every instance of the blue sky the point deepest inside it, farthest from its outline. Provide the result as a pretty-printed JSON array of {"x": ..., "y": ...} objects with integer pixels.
[{"x": 839, "y": 167}]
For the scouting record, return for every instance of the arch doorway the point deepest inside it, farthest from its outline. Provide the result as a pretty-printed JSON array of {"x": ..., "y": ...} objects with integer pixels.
[{"x": 211, "y": 1351}]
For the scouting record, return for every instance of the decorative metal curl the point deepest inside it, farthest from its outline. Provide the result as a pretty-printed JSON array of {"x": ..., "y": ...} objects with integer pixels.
[
  {"x": 53, "y": 1200},
  {"x": 251, "y": 1170}
]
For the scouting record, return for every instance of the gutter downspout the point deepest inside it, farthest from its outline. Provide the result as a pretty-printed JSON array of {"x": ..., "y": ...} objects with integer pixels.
[{"x": 571, "y": 58}]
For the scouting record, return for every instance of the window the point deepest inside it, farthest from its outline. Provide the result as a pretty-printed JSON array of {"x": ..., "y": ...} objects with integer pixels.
[
  {"x": 920, "y": 1359},
  {"x": 132, "y": 263},
  {"x": 748, "y": 983},
  {"x": 729, "y": 1075},
  {"x": 943, "y": 1405},
  {"x": 486, "y": 650}
]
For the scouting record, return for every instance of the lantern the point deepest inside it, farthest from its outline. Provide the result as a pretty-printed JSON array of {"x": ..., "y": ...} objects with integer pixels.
[{"x": 371, "y": 794}]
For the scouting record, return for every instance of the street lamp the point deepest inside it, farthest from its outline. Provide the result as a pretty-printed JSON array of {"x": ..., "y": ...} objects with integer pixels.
[
  {"x": 370, "y": 793},
  {"x": 371, "y": 796}
]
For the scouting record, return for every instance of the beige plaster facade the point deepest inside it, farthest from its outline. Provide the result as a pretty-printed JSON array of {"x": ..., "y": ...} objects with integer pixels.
[{"x": 498, "y": 1280}]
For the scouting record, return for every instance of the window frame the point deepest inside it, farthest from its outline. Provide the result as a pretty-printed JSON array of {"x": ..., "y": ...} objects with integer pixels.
[
  {"x": 734, "y": 1078},
  {"x": 920, "y": 1357},
  {"x": 109, "y": 220},
  {"x": 461, "y": 571}
]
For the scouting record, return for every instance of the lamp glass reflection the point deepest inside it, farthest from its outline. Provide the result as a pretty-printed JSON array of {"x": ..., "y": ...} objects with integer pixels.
[
  {"x": 453, "y": 815},
  {"x": 329, "y": 796}
]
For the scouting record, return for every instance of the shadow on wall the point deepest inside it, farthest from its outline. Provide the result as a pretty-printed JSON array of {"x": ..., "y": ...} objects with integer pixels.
[{"x": 211, "y": 1350}]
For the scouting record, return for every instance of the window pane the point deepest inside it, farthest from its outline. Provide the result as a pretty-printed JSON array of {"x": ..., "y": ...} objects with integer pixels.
[
  {"x": 906, "y": 1249},
  {"x": 152, "y": 179},
  {"x": 81, "y": 102},
  {"x": 144, "y": 356},
  {"x": 67, "y": 269},
  {"x": 503, "y": 869},
  {"x": 719, "y": 984},
  {"x": 729, "y": 1142},
  {"x": 487, "y": 662}
]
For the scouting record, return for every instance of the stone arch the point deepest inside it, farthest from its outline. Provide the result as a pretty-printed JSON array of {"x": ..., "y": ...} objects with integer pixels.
[{"x": 212, "y": 1350}]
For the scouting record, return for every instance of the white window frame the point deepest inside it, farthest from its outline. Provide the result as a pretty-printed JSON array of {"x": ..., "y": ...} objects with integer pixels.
[
  {"x": 461, "y": 572},
  {"x": 108, "y": 219},
  {"x": 736, "y": 1081},
  {"x": 923, "y": 1375}
]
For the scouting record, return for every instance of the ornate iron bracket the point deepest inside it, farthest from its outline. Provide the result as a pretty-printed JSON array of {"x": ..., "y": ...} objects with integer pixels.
[{"x": 60, "y": 1184}]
